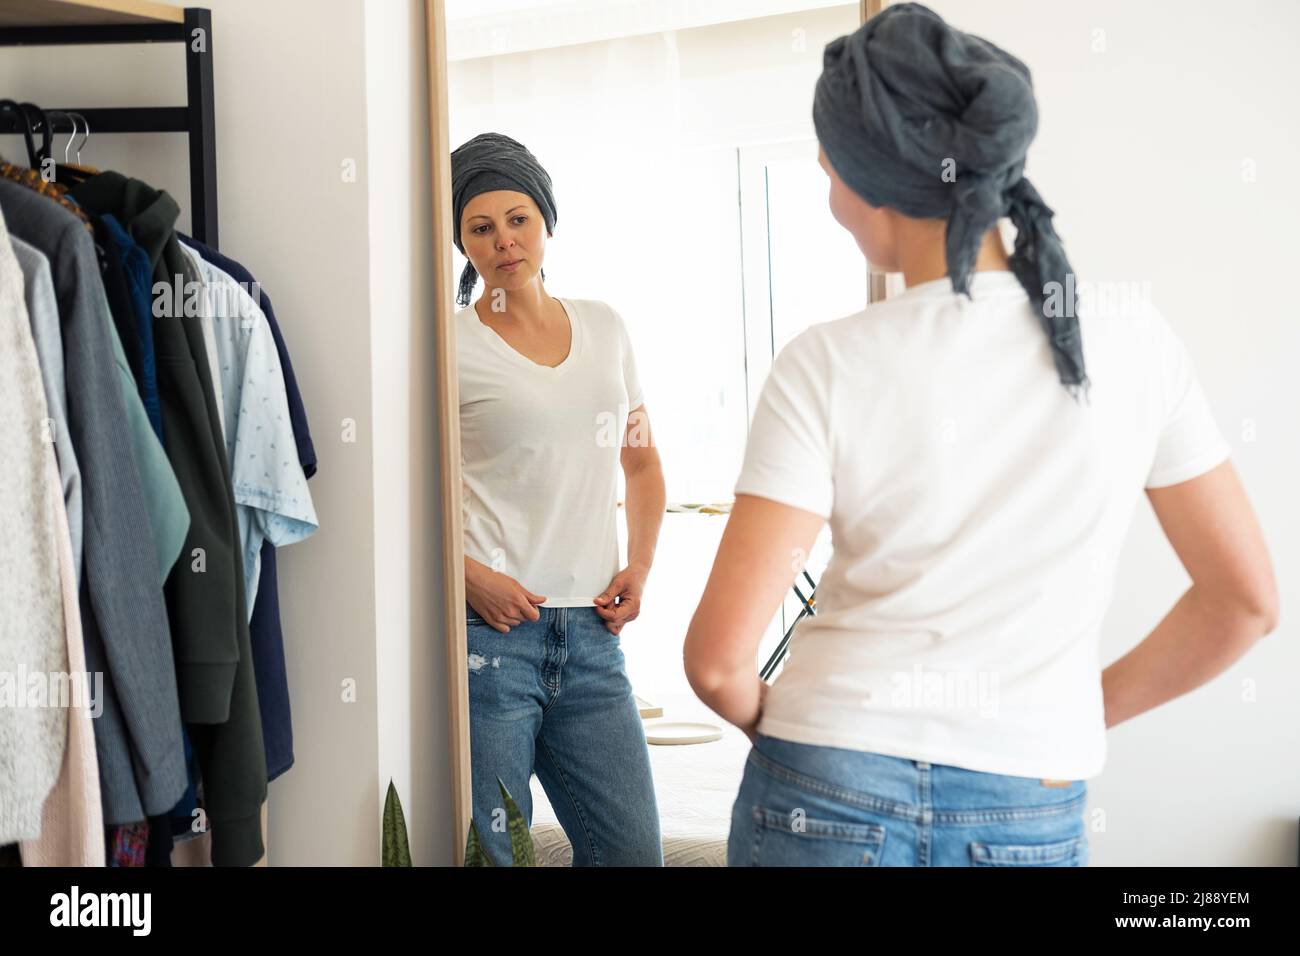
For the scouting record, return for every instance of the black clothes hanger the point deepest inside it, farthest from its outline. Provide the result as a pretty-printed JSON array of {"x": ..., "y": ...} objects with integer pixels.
[
  {"x": 24, "y": 127},
  {"x": 36, "y": 119}
]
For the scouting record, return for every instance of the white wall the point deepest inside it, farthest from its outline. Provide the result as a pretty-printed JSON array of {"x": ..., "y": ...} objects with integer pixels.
[
  {"x": 344, "y": 262},
  {"x": 412, "y": 681},
  {"x": 496, "y": 27},
  {"x": 291, "y": 108}
]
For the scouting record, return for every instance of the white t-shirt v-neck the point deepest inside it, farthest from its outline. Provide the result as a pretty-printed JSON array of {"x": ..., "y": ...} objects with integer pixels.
[
  {"x": 540, "y": 451},
  {"x": 977, "y": 515}
]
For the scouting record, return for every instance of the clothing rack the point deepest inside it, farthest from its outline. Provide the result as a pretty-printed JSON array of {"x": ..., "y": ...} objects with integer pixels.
[{"x": 62, "y": 23}]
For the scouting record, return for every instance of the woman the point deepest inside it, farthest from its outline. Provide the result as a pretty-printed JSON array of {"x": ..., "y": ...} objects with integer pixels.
[
  {"x": 945, "y": 707},
  {"x": 550, "y": 407}
]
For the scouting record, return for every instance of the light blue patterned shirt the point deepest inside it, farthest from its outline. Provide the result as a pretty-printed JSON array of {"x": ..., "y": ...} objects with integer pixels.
[{"x": 272, "y": 502}]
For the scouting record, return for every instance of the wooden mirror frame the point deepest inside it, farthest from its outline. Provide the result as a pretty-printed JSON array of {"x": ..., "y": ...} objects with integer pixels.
[{"x": 448, "y": 411}]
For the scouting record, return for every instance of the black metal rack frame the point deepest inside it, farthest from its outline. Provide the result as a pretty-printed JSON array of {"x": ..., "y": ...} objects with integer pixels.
[{"x": 196, "y": 118}]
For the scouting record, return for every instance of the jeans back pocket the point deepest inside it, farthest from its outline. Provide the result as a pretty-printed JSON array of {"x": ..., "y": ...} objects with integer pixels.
[
  {"x": 1071, "y": 852},
  {"x": 795, "y": 839}
]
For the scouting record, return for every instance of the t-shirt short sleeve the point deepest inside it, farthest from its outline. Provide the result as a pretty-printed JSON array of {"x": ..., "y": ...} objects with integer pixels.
[
  {"x": 1189, "y": 442},
  {"x": 788, "y": 456},
  {"x": 267, "y": 475},
  {"x": 632, "y": 379}
]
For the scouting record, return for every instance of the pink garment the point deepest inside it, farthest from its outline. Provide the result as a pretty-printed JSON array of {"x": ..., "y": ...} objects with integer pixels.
[{"x": 72, "y": 822}]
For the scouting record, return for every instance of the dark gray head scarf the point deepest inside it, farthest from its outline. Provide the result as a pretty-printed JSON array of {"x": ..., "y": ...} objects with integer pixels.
[
  {"x": 494, "y": 161},
  {"x": 935, "y": 123}
]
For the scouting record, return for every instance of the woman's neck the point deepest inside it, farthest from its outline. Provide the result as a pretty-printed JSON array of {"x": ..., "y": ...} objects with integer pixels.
[
  {"x": 923, "y": 258},
  {"x": 529, "y": 306}
]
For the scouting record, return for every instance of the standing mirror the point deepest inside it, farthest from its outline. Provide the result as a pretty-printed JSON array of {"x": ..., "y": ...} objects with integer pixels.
[{"x": 638, "y": 193}]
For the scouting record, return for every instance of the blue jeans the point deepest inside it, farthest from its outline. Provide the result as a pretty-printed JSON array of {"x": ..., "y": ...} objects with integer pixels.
[
  {"x": 551, "y": 696},
  {"x": 801, "y": 805}
]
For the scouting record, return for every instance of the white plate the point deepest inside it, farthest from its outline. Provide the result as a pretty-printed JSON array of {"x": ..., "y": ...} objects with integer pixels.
[{"x": 680, "y": 732}]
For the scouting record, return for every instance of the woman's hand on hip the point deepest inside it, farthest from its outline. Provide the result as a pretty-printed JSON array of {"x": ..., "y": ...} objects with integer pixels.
[
  {"x": 626, "y": 588},
  {"x": 499, "y": 599}
]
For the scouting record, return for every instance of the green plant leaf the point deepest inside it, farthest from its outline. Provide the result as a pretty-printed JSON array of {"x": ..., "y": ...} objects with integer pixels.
[
  {"x": 521, "y": 841},
  {"x": 397, "y": 851},
  {"x": 475, "y": 853}
]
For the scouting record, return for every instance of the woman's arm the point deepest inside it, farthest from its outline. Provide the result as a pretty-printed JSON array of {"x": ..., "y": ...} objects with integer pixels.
[
  {"x": 763, "y": 549},
  {"x": 645, "y": 503},
  {"x": 1232, "y": 603},
  {"x": 646, "y": 497}
]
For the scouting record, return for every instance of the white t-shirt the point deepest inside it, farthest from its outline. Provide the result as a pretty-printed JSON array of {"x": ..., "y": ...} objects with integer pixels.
[
  {"x": 977, "y": 514},
  {"x": 540, "y": 450}
]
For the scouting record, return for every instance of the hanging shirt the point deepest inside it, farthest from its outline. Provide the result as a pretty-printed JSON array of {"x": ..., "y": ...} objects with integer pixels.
[
  {"x": 540, "y": 450},
  {"x": 272, "y": 502},
  {"x": 977, "y": 515},
  {"x": 169, "y": 517},
  {"x": 264, "y": 627}
]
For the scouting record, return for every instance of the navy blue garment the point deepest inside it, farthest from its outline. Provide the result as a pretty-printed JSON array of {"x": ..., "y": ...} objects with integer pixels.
[
  {"x": 121, "y": 303},
  {"x": 265, "y": 628},
  {"x": 138, "y": 273},
  {"x": 181, "y": 817}
]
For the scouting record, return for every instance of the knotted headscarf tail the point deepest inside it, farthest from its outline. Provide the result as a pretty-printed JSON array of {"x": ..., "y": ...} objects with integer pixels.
[
  {"x": 935, "y": 123},
  {"x": 492, "y": 161}
]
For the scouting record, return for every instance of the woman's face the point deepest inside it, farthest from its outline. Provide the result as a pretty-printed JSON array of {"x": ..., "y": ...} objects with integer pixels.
[
  {"x": 871, "y": 227},
  {"x": 504, "y": 236}
]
